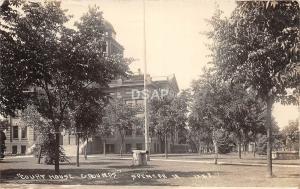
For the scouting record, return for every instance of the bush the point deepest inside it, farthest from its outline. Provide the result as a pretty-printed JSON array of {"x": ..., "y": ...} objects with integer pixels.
[
  {"x": 261, "y": 147},
  {"x": 225, "y": 144},
  {"x": 48, "y": 150}
]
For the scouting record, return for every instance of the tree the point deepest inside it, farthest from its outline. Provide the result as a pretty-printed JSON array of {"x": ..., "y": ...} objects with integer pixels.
[
  {"x": 200, "y": 133},
  {"x": 290, "y": 135},
  {"x": 4, "y": 125},
  {"x": 235, "y": 108},
  {"x": 262, "y": 140},
  {"x": 259, "y": 46},
  {"x": 168, "y": 116},
  {"x": 208, "y": 104},
  {"x": 63, "y": 65},
  {"x": 45, "y": 142},
  {"x": 243, "y": 114},
  {"x": 11, "y": 84},
  {"x": 121, "y": 118},
  {"x": 87, "y": 117}
]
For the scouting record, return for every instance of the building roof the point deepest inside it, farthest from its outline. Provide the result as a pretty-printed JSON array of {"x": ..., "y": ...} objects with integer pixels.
[
  {"x": 108, "y": 26},
  {"x": 138, "y": 80}
]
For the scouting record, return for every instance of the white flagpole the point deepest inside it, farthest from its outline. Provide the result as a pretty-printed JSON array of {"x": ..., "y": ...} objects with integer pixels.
[{"x": 145, "y": 82}]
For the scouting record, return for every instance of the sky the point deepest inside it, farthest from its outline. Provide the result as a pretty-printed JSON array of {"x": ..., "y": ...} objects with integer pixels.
[{"x": 174, "y": 43}]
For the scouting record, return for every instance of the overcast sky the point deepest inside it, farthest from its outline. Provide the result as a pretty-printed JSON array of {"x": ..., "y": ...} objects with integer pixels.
[{"x": 173, "y": 36}]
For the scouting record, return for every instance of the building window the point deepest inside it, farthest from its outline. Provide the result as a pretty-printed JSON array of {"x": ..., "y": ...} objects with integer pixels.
[
  {"x": 139, "y": 132},
  {"x": 69, "y": 139},
  {"x": 23, "y": 149},
  {"x": 61, "y": 139},
  {"x": 128, "y": 148},
  {"x": 119, "y": 95},
  {"x": 128, "y": 91},
  {"x": 34, "y": 134},
  {"x": 15, "y": 132},
  {"x": 129, "y": 102},
  {"x": 139, "y": 146},
  {"x": 14, "y": 149},
  {"x": 128, "y": 132},
  {"x": 104, "y": 48},
  {"x": 140, "y": 102},
  {"x": 111, "y": 134},
  {"x": 110, "y": 148},
  {"x": 24, "y": 132}
]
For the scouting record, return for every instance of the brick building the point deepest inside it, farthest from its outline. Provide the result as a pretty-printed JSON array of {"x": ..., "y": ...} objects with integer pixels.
[{"x": 131, "y": 91}]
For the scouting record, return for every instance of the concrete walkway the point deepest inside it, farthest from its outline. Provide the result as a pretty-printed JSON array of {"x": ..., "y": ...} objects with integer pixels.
[
  {"x": 179, "y": 160},
  {"x": 47, "y": 186},
  {"x": 212, "y": 162}
]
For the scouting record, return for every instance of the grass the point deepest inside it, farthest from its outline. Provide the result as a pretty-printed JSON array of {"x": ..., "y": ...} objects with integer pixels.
[{"x": 102, "y": 170}]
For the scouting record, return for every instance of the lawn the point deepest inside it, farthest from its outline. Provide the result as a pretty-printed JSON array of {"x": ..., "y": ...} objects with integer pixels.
[{"x": 112, "y": 171}]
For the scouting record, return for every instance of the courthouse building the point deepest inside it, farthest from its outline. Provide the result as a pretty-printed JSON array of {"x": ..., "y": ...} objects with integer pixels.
[
  {"x": 131, "y": 91},
  {"x": 21, "y": 139}
]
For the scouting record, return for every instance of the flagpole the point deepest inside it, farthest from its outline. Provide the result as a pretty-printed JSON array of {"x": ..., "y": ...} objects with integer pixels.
[{"x": 145, "y": 83}]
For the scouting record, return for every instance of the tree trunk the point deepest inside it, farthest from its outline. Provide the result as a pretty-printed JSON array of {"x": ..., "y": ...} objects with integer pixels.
[
  {"x": 239, "y": 147},
  {"x": 39, "y": 155},
  {"x": 199, "y": 149},
  {"x": 161, "y": 145},
  {"x": 77, "y": 151},
  {"x": 56, "y": 164},
  {"x": 166, "y": 146},
  {"x": 104, "y": 147},
  {"x": 121, "y": 149},
  {"x": 254, "y": 149},
  {"x": 216, "y": 151},
  {"x": 269, "y": 136},
  {"x": 85, "y": 149},
  {"x": 172, "y": 141}
]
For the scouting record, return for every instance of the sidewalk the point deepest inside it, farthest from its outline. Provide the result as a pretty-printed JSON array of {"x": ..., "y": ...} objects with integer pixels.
[
  {"x": 47, "y": 186},
  {"x": 192, "y": 158},
  {"x": 208, "y": 159}
]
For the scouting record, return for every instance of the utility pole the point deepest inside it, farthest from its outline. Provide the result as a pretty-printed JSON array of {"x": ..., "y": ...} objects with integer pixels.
[{"x": 145, "y": 83}]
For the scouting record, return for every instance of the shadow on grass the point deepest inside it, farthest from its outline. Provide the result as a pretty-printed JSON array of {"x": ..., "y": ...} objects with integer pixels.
[
  {"x": 131, "y": 167},
  {"x": 102, "y": 176},
  {"x": 8, "y": 161},
  {"x": 288, "y": 176},
  {"x": 88, "y": 163}
]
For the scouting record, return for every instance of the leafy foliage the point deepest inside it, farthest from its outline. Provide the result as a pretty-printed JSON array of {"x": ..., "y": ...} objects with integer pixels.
[
  {"x": 45, "y": 135},
  {"x": 120, "y": 117},
  {"x": 168, "y": 115},
  {"x": 66, "y": 67},
  {"x": 258, "y": 46},
  {"x": 290, "y": 135}
]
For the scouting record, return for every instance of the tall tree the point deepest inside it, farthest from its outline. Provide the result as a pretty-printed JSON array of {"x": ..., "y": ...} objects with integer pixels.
[
  {"x": 168, "y": 116},
  {"x": 11, "y": 83},
  {"x": 290, "y": 134},
  {"x": 63, "y": 65},
  {"x": 87, "y": 118},
  {"x": 45, "y": 140},
  {"x": 209, "y": 96},
  {"x": 121, "y": 118},
  {"x": 199, "y": 133},
  {"x": 243, "y": 114},
  {"x": 259, "y": 46}
]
